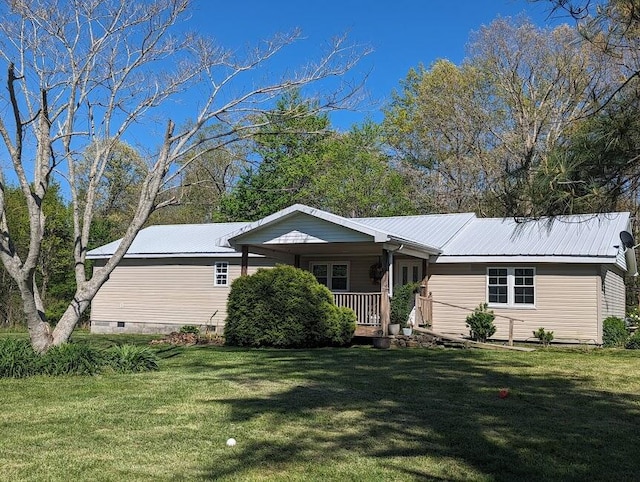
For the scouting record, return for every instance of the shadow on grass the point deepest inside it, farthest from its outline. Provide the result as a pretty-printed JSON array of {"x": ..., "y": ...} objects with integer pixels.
[{"x": 419, "y": 406}]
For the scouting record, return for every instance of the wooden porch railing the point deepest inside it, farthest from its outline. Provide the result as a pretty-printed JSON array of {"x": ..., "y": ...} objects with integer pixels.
[
  {"x": 424, "y": 310},
  {"x": 365, "y": 305}
]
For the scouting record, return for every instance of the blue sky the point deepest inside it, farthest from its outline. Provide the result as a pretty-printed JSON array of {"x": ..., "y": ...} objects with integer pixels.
[{"x": 402, "y": 33}]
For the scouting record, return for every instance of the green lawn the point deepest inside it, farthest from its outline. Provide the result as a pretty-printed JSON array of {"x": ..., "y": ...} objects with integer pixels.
[{"x": 331, "y": 414}]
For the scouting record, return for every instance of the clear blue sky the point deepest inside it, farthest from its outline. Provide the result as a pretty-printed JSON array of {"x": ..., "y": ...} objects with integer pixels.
[{"x": 402, "y": 33}]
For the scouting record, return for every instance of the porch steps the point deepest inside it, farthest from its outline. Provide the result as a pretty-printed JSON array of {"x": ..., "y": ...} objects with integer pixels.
[{"x": 458, "y": 341}]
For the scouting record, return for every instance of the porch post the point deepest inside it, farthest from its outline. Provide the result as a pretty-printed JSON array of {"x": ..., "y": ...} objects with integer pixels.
[
  {"x": 385, "y": 306},
  {"x": 245, "y": 260},
  {"x": 424, "y": 285}
]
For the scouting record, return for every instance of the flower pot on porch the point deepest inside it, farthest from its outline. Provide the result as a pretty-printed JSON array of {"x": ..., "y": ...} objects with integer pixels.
[
  {"x": 407, "y": 331},
  {"x": 394, "y": 328}
]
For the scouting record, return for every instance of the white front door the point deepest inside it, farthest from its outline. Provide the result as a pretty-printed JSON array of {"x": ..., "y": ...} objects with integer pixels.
[{"x": 409, "y": 271}]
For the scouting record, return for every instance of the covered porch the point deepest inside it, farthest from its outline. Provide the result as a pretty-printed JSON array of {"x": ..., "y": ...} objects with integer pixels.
[
  {"x": 359, "y": 264},
  {"x": 368, "y": 310}
]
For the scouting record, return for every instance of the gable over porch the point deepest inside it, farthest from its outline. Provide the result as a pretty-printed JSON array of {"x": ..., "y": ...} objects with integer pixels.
[{"x": 356, "y": 261}]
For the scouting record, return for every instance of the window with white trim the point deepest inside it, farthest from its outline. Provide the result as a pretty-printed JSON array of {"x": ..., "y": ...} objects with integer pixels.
[
  {"x": 334, "y": 275},
  {"x": 511, "y": 286},
  {"x": 221, "y": 274}
]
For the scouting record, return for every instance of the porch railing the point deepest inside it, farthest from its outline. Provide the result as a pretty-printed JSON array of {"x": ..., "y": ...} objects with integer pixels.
[
  {"x": 424, "y": 310},
  {"x": 365, "y": 305}
]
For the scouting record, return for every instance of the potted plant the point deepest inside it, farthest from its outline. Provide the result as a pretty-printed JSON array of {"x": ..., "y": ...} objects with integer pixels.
[{"x": 402, "y": 303}]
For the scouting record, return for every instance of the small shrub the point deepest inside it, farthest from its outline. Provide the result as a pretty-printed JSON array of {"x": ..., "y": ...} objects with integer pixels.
[
  {"x": 131, "y": 358},
  {"x": 72, "y": 359},
  {"x": 345, "y": 326},
  {"x": 481, "y": 323},
  {"x": 402, "y": 302},
  {"x": 614, "y": 332},
  {"x": 190, "y": 329},
  {"x": 545, "y": 337},
  {"x": 17, "y": 359},
  {"x": 633, "y": 342},
  {"x": 283, "y": 307}
]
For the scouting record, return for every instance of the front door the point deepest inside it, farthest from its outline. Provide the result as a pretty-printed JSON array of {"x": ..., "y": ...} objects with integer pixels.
[{"x": 408, "y": 272}]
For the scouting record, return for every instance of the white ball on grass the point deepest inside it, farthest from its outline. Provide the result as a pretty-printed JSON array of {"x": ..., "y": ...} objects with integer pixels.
[{"x": 231, "y": 442}]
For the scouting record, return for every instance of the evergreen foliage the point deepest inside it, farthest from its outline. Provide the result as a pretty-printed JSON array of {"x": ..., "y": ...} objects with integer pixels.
[
  {"x": 284, "y": 307},
  {"x": 402, "y": 302},
  {"x": 614, "y": 332},
  {"x": 481, "y": 323}
]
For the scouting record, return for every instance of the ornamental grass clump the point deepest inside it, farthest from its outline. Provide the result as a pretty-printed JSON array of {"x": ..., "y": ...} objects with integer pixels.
[
  {"x": 481, "y": 323},
  {"x": 17, "y": 359},
  {"x": 131, "y": 359},
  {"x": 72, "y": 359}
]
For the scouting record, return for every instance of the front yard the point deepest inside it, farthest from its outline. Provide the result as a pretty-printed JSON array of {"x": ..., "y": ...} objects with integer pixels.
[{"x": 341, "y": 414}]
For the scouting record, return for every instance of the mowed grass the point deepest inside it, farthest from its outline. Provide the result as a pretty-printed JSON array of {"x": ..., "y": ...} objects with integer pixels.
[{"x": 331, "y": 414}]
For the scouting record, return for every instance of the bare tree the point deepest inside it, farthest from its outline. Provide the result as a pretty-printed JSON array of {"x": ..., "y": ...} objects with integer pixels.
[{"x": 91, "y": 73}]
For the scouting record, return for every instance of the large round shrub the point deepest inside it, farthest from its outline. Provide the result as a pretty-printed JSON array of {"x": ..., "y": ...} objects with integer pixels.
[
  {"x": 284, "y": 307},
  {"x": 614, "y": 332}
]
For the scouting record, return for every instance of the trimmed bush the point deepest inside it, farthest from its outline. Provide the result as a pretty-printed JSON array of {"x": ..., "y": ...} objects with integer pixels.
[
  {"x": 481, "y": 323},
  {"x": 614, "y": 332},
  {"x": 17, "y": 359},
  {"x": 402, "y": 302},
  {"x": 345, "y": 326},
  {"x": 284, "y": 307},
  {"x": 131, "y": 358}
]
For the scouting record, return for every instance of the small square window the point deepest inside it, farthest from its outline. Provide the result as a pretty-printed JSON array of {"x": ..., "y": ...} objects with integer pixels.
[
  {"x": 121, "y": 324},
  {"x": 221, "y": 276}
]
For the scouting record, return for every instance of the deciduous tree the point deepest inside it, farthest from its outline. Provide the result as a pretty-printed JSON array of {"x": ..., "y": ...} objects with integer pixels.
[{"x": 97, "y": 73}]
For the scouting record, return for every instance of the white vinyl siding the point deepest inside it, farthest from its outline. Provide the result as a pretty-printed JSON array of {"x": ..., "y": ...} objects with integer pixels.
[
  {"x": 302, "y": 228},
  {"x": 147, "y": 293},
  {"x": 566, "y": 301},
  {"x": 613, "y": 294}
]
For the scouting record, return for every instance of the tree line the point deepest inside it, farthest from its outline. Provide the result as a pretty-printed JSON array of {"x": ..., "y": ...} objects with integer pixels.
[{"x": 533, "y": 122}]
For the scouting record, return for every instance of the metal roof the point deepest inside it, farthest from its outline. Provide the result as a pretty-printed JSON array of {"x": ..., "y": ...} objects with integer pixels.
[
  {"x": 174, "y": 240},
  {"x": 587, "y": 235},
  {"x": 431, "y": 229},
  {"x": 458, "y": 237}
]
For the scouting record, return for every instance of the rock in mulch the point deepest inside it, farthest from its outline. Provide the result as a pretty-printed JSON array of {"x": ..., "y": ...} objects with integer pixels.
[{"x": 417, "y": 340}]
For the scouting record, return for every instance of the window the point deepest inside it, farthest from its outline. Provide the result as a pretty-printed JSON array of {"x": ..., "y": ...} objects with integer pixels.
[
  {"x": 511, "y": 286},
  {"x": 333, "y": 275},
  {"x": 221, "y": 276}
]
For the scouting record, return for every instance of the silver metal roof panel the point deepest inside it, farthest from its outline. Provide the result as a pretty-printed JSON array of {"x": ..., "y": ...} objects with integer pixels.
[{"x": 579, "y": 235}]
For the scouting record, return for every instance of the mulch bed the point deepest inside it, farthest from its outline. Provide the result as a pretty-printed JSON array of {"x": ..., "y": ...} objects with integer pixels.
[{"x": 188, "y": 339}]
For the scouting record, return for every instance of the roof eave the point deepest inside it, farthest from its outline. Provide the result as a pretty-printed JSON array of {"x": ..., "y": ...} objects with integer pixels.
[{"x": 564, "y": 259}]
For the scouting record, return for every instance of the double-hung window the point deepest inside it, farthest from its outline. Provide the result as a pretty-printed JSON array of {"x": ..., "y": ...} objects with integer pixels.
[
  {"x": 513, "y": 287},
  {"x": 221, "y": 274},
  {"x": 334, "y": 275}
]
